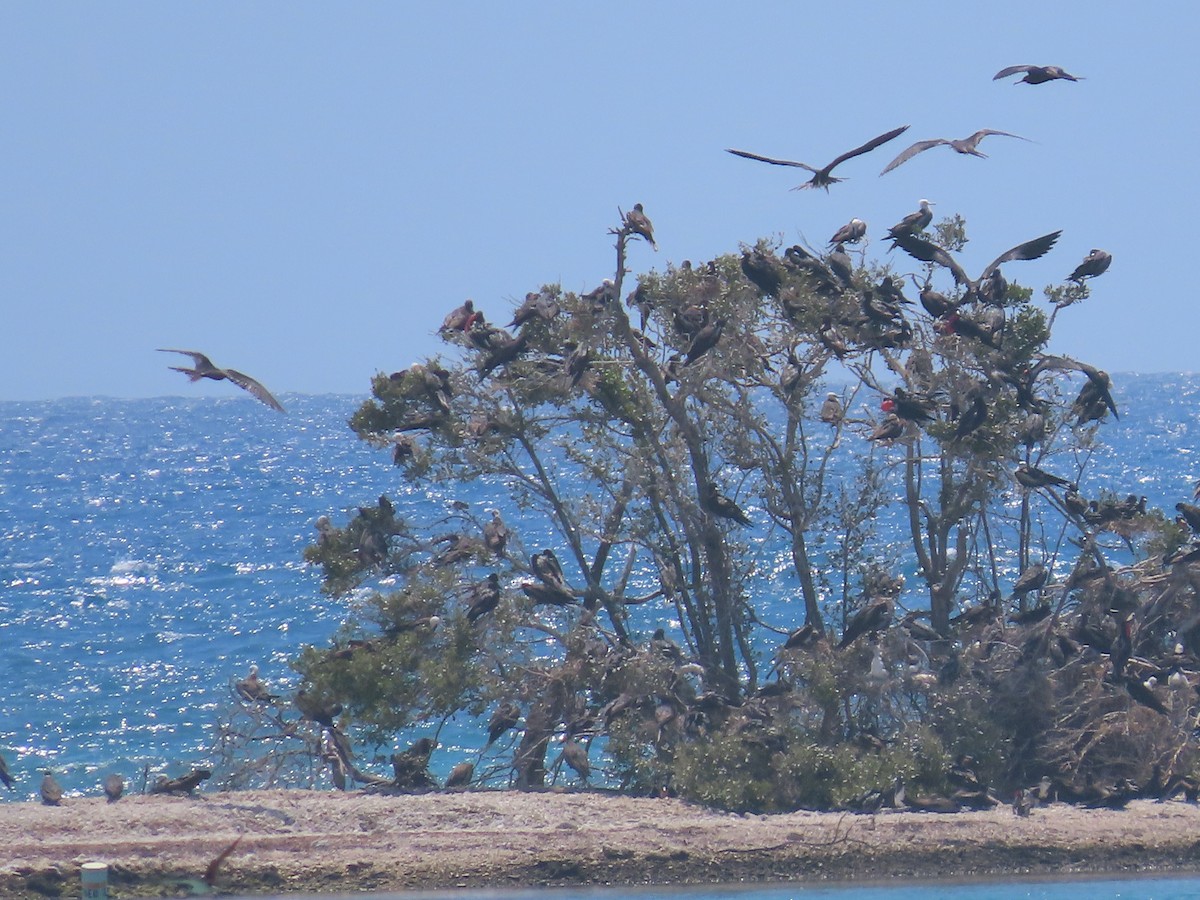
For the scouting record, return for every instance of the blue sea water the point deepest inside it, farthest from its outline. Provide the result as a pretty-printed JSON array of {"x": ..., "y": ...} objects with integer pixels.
[{"x": 151, "y": 550}]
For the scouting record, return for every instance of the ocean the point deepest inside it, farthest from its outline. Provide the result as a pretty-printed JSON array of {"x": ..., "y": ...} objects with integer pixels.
[{"x": 151, "y": 551}]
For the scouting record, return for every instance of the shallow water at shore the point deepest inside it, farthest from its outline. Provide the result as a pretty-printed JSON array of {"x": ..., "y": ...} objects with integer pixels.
[{"x": 1142, "y": 888}]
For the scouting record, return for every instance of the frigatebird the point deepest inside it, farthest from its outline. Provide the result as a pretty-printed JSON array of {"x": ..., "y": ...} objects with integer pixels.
[
  {"x": 204, "y": 368},
  {"x": 637, "y": 223},
  {"x": 850, "y": 233},
  {"x": 822, "y": 177},
  {"x": 1036, "y": 74},
  {"x": 914, "y": 221},
  {"x": 968, "y": 146},
  {"x": 1095, "y": 263},
  {"x": 927, "y": 251}
]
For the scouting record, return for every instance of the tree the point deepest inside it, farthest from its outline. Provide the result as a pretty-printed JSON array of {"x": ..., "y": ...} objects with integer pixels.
[{"x": 665, "y": 468}]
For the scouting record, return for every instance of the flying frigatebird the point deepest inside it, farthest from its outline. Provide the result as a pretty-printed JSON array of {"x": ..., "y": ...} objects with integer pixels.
[
  {"x": 1036, "y": 74},
  {"x": 822, "y": 177},
  {"x": 968, "y": 146},
  {"x": 927, "y": 251},
  {"x": 204, "y": 368}
]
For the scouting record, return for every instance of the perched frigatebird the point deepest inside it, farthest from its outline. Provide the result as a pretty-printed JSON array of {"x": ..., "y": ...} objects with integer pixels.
[
  {"x": 968, "y": 146},
  {"x": 1036, "y": 74},
  {"x": 637, "y": 223},
  {"x": 721, "y": 506},
  {"x": 822, "y": 177},
  {"x": 914, "y": 221},
  {"x": 850, "y": 233},
  {"x": 1095, "y": 263}
]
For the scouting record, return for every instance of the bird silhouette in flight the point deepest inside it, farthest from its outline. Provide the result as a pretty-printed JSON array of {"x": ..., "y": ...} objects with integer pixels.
[
  {"x": 968, "y": 146},
  {"x": 822, "y": 177},
  {"x": 1036, "y": 74},
  {"x": 204, "y": 368}
]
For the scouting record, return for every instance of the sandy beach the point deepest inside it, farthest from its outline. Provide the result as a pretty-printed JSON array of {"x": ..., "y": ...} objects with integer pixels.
[{"x": 311, "y": 842}]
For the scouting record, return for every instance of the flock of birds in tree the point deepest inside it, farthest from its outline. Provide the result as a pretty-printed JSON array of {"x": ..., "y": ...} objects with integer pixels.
[{"x": 977, "y": 313}]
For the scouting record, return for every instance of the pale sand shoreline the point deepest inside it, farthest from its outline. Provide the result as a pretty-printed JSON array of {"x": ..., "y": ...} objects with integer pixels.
[{"x": 313, "y": 842}]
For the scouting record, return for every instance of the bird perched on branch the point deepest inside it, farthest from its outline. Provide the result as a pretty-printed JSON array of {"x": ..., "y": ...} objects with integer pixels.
[
  {"x": 914, "y": 221},
  {"x": 967, "y": 146},
  {"x": 636, "y": 222},
  {"x": 850, "y": 233},
  {"x": 254, "y": 689},
  {"x": 1095, "y": 263},
  {"x": 822, "y": 177},
  {"x": 484, "y": 597},
  {"x": 203, "y": 368},
  {"x": 1036, "y": 74},
  {"x": 719, "y": 505},
  {"x": 873, "y": 617}
]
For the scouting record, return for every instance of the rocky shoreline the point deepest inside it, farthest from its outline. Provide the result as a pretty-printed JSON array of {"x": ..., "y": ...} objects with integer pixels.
[{"x": 314, "y": 842}]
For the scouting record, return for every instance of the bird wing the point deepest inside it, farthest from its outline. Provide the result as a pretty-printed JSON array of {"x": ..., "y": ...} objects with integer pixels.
[
  {"x": 912, "y": 151},
  {"x": 1011, "y": 70},
  {"x": 868, "y": 146},
  {"x": 926, "y": 251},
  {"x": 249, "y": 384},
  {"x": 767, "y": 159},
  {"x": 199, "y": 360},
  {"x": 1034, "y": 249},
  {"x": 978, "y": 136}
]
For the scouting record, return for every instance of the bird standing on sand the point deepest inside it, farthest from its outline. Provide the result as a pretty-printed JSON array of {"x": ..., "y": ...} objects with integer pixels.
[
  {"x": 52, "y": 792},
  {"x": 822, "y": 177},
  {"x": 1036, "y": 74},
  {"x": 636, "y": 222},
  {"x": 114, "y": 787},
  {"x": 968, "y": 146},
  {"x": 204, "y": 368},
  {"x": 5, "y": 776}
]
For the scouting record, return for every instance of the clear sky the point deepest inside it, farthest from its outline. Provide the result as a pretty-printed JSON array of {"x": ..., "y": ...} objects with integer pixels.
[{"x": 303, "y": 190}]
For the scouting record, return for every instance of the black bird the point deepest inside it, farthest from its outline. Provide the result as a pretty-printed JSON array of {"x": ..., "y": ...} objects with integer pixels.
[
  {"x": 1140, "y": 692},
  {"x": 1036, "y": 74},
  {"x": 972, "y": 417},
  {"x": 873, "y": 617},
  {"x": 1031, "y": 579},
  {"x": 909, "y": 406},
  {"x": 1095, "y": 397},
  {"x": 1033, "y": 477},
  {"x": 504, "y": 350},
  {"x": 665, "y": 648},
  {"x": 114, "y": 787},
  {"x": 690, "y": 319},
  {"x": 204, "y": 368},
  {"x": 822, "y": 177},
  {"x": 51, "y": 791},
  {"x": 411, "y": 767},
  {"x": 545, "y": 566},
  {"x": 1190, "y": 513},
  {"x": 484, "y": 597},
  {"x": 935, "y": 303},
  {"x": 850, "y": 233},
  {"x": 505, "y": 717},
  {"x": 762, "y": 270},
  {"x": 185, "y": 784},
  {"x": 315, "y": 709},
  {"x": 1095, "y": 263},
  {"x": 840, "y": 264},
  {"x": 926, "y": 251},
  {"x": 6, "y": 778},
  {"x": 914, "y": 221},
  {"x": 889, "y": 428},
  {"x": 576, "y": 757},
  {"x": 706, "y": 338},
  {"x": 967, "y": 145},
  {"x": 804, "y": 636},
  {"x": 637, "y": 223},
  {"x": 718, "y": 504}
]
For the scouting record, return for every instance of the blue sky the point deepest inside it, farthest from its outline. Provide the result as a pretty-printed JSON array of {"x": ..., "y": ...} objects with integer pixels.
[{"x": 303, "y": 190}]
